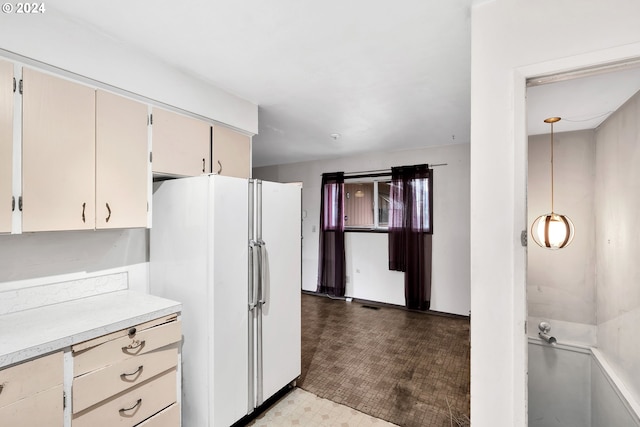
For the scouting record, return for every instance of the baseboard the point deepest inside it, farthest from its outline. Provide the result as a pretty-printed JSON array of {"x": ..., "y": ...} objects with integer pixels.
[{"x": 386, "y": 305}]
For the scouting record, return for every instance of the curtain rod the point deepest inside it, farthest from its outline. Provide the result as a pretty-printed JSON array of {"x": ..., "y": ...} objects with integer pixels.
[{"x": 388, "y": 171}]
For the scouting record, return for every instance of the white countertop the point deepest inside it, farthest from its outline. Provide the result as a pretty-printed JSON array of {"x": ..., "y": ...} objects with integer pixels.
[{"x": 30, "y": 333}]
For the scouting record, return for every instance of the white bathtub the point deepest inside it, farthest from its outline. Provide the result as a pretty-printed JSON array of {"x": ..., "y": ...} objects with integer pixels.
[{"x": 573, "y": 386}]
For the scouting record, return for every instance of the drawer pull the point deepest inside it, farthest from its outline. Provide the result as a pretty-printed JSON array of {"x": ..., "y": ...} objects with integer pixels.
[
  {"x": 123, "y": 410},
  {"x": 137, "y": 372},
  {"x": 1, "y": 388},
  {"x": 134, "y": 347}
]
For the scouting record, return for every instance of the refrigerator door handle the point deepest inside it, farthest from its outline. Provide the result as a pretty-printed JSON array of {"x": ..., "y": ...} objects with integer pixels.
[
  {"x": 253, "y": 289},
  {"x": 262, "y": 298}
]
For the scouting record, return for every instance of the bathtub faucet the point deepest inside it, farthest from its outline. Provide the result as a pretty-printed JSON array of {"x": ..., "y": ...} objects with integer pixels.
[{"x": 545, "y": 328}]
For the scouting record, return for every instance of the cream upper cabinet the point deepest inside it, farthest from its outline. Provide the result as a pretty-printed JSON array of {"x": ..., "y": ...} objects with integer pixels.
[
  {"x": 58, "y": 154},
  {"x": 6, "y": 145},
  {"x": 122, "y": 162},
  {"x": 231, "y": 152},
  {"x": 181, "y": 144}
]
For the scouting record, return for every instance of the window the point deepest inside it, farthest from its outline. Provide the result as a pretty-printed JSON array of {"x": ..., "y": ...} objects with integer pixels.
[
  {"x": 366, "y": 205},
  {"x": 364, "y": 202}
]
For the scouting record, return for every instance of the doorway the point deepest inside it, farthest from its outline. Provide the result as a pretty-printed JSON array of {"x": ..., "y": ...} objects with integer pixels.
[{"x": 584, "y": 292}]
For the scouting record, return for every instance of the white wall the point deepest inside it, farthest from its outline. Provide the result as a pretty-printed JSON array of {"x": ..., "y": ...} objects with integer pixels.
[
  {"x": 368, "y": 275},
  {"x": 365, "y": 252},
  {"x": 609, "y": 405},
  {"x": 513, "y": 39},
  {"x": 559, "y": 387},
  {"x": 561, "y": 283},
  {"x": 618, "y": 241},
  {"x": 573, "y": 386},
  {"x": 49, "y": 257}
]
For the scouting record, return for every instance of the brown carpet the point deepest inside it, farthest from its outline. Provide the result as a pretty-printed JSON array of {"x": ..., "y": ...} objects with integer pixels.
[{"x": 411, "y": 369}]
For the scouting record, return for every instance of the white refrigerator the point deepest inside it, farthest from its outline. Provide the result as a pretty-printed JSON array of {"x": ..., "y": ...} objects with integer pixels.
[{"x": 229, "y": 249}]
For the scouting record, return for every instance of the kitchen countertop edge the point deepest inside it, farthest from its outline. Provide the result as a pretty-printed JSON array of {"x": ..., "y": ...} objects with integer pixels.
[{"x": 40, "y": 331}]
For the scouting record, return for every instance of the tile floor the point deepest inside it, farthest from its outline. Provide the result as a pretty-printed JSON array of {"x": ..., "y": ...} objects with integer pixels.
[
  {"x": 411, "y": 369},
  {"x": 304, "y": 409}
]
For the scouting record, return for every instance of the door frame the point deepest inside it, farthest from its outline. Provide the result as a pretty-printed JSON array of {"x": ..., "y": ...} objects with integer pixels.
[{"x": 518, "y": 123}]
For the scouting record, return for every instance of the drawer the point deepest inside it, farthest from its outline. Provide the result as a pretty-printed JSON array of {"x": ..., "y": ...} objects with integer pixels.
[
  {"x": 100, "y": 384},
  {"x": 121, "y": 333},
  {"x": 124, "y": 347},
  {"x": 169, "y": 417},
  {"x": 44, "y": 409},
  {"x": 132, "y": 406},
  {"x": 25, "y": 379}
]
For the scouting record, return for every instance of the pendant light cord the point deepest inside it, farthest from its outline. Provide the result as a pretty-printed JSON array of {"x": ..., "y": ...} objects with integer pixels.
[{"x": 552, "y": 167}]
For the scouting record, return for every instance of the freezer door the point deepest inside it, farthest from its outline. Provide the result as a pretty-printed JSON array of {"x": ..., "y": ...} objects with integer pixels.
[
  {"x": 281, "y": 285},
  {"x": 178, "y": 269},
  {"x": 230, "y": 260}
]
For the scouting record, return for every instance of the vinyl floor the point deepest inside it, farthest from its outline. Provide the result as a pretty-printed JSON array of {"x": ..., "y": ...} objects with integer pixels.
[
  {"x": 301, "y": 408},
  {"x": 409, "y": 368}
]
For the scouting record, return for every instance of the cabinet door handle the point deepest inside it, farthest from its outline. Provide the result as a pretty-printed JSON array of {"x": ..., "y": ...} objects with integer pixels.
[
  {"x": 84, "y": 205},
  {"x": 136, "y": 372},
  {"x": 108, "y": 210},
  {"x": 133, "y": 346},
  {"x": 123, "y": 410},
  {"x": 203, "y": 165},
  {"x": 219, "y": 170},
  {"x": 1, "y": 388}
]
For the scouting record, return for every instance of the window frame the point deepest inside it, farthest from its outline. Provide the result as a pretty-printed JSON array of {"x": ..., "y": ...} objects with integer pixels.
[{"x": 375, "y": 180}]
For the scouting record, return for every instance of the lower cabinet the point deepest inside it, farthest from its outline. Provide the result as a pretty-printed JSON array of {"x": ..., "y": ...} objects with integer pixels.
[
  {"x": 31, "y": 393},
  {"x": 129, "y": 377},
  {"x": 167, "y": 417},
  {"x": 132, "y": 406}
]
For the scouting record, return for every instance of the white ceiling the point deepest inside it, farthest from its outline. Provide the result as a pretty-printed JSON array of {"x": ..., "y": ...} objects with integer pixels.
[
  {"x": 582, "y": 103},
  {"x": 384, "y": 75}
]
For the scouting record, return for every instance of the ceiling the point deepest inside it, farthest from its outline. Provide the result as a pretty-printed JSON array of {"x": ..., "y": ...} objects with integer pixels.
[
  {"x": 583, "y": 99},
  {"x": 383, "y": 75}
]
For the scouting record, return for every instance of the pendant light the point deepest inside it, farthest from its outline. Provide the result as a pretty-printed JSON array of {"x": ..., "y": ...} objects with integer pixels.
[{"x": 552, "y": 230}]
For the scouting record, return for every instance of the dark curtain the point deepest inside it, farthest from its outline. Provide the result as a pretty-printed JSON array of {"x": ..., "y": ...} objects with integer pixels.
[
  {"x": 331, "y": 259},
  {"x": 410, "y": 230}
]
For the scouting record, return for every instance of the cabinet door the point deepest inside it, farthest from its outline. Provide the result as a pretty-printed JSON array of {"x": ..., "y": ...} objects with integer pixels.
[
  {"x": 58, "y": 154},
  {"x": 41, "y": 409},
  {"x": 231, "y": 152},
  {"x": 181, "y": 144},
  {"x": 6, "y": 144},
  {"x": 26, "y": 379},
  {"x": 31, "y": 392},
  {"x": 122, "y": 162}
]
